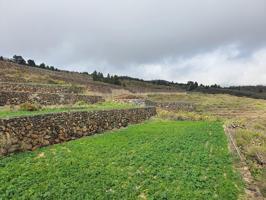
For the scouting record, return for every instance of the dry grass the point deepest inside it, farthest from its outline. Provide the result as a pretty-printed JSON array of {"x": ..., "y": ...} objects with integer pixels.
[{"x": 184, "y": 115}]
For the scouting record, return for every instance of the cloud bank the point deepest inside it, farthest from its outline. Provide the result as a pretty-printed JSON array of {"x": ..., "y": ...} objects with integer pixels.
[{"x": 207, "y": 41}]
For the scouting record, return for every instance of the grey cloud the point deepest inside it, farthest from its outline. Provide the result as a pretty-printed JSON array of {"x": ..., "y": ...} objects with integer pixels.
[{"x": 122, "y": 36}]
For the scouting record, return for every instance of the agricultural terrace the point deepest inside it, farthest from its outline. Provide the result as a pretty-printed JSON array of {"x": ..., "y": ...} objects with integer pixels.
[
  {"x": 31, "y": 109},
  {"x": 155, "y": 160},
  {"x": 244, "y": 117}
]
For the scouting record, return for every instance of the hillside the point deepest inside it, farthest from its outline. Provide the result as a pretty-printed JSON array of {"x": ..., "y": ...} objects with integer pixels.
[
  {"x": 55, "y": 106},
  {"x": 256, "y": 92},
  {"x": 16, "y": 73}
]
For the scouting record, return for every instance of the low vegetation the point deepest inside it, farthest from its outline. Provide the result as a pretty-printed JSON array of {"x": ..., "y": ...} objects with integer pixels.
[
  {"x": 29, "y": 109},
  {"x": 154, "y": 160},
  {"x": 184, "y": 115},
  {"x": 246, "y": 116}
]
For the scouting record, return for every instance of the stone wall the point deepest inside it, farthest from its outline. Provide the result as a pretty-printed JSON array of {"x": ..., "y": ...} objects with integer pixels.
[
  {"x": 39, "y": 88},
  {"x": 16, "y": 98},
  {"x": 29, "y": 133}
]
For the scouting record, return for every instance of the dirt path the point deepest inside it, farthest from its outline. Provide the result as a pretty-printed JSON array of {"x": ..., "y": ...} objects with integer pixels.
[{"x": 252, "y": 192}]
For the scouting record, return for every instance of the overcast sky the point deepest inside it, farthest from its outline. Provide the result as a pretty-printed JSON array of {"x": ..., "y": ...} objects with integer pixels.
[{"x": 209, "y": 41}]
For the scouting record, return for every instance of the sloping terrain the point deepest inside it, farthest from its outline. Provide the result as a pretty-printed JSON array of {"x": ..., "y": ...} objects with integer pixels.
[
  {"x": 256, "y": 92},
  {"x": 155, "y": 160},
  {"x": 12, "y": 72},
  {"x": 244, "y": 117},
  {"x": 15, "y": 73},
  {"x": 142, "y": 87}
]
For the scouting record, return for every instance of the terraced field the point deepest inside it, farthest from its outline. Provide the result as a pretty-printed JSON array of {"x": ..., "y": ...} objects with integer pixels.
[
  {"x": 155, "y": 160},
  {"x": 244, "y": 117},
  {"x": 10, "y": 112}
]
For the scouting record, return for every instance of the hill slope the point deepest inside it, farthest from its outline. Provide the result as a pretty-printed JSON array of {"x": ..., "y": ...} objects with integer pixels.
[{"x": 15, "y": 73}]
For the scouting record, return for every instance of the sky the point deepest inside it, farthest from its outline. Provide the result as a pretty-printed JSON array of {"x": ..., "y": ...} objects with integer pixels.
[{"x": 209, "y": 41}]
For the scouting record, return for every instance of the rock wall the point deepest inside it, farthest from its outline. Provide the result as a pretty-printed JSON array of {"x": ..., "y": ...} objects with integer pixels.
[
  {"x": 40, "y": 88},
  {"x": 16, "y": 98},
  {"x": 29, "y": 133}
]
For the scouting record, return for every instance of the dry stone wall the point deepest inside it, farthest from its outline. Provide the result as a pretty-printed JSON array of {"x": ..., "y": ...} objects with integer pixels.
[
  {"x": 16, "y": 98},
  {"x": 39, "y": 88},
  {"x": 29, "y": 133}
]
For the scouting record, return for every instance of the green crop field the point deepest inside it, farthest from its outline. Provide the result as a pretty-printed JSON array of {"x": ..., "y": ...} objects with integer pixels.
[{"x": 154, "y": 160}]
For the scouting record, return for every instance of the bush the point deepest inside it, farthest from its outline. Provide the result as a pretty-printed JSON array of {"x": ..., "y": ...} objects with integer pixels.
[
  {"x": 31, "y": 63},
  {"x": 81, "y": 103},
  {"x": 19, "y": 60},
  {"x": 29, "y": 107},
  {"x": 76, "y": 88},
  {"x": 42, "y": 65}
]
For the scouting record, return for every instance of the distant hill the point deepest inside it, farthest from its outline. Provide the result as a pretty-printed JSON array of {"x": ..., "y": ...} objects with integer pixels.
[
  {"x": 257, "y": 92},
  {"x": 23, "y": 73}
]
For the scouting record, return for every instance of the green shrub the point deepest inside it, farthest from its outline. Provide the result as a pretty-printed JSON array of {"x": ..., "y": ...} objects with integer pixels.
[
  {"x": 76, "y": 88},
  {"x": 81, "y": 103},
  {"x": 29, "y": 106}
]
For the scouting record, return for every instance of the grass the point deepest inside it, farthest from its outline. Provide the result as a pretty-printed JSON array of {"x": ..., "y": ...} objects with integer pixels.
[
  {"x": 7, "y": 112},
  {"x": 249, "y": 114},
  {"x": 154, "y": 160},
  {"x": 184, "y": 115}
]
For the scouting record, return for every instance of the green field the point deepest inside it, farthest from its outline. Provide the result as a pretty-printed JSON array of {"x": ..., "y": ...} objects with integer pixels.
[
  {"x": 154, "y": 160},
  {"x": 249, "y": 114},
  {"x": 6, "y": 112}
]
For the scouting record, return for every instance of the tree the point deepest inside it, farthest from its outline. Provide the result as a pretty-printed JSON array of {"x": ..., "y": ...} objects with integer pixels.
[
  {"x": 94, "y": 76},
  {"x": 42, "y": 65},
  {"x": 218, "y": 86},
  {"x": 191, "y": 85},
  {"x": 100, "y": 76},
  {"x": 1, "y": 58},
  {"x": 31, "y": 63},
  {"x": 116, "y": 80},
  {"x": 19, "y": 60}
]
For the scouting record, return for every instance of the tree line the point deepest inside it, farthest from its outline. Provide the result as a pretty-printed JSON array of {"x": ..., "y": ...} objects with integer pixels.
[
  {"x": 112, "y": 79},
  {"x": 20, "y": 60}
]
